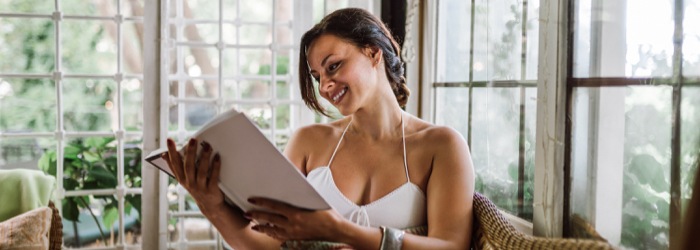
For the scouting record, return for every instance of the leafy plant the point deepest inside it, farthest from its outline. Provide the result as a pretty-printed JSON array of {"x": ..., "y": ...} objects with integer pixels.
[{"x": 91, "y": 163}]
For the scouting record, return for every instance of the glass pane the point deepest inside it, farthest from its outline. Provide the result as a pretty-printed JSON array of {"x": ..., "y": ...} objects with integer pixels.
[
  {"x": 201, "y": 32},
  {"x": 505, "y": 39},
  {"x": 132, "y": 162},
  {"x": 284, "y": 90},
  {"x": 691, "y": 38},
  {"x": 132, "y": 98},
  {"x": 89, "y": 105},
  {"x": 28, "y": 153},
  {"x": 27, "y": 6},
  {"x": 494, "y": 148},
  {"x": 133, "y": 8},
  {"x": 618, "y": 39},
  {"x": 19, "y": 97},
  {"x": 284, "y": 66},
  {"x": 90, "y": 163},
  {"x": 132, "y": 51},
  {"x": 229, "y": 9},
  {"x": 452, "y": 109},
  {"x": 256, "y": 34},
  {"x": 620, "y": 164},
  {"x": 530, "y": 132},
  {"x": 453, "y": 44},
  {"x": 260, "y": 114},
  {"x": 86, "y": 221},
  {"x": 88, "y": 47},
  {"x": 533, "y": 39},
  {"x": 256, "y": 90},
  {"x": 196, "y": 9},
  {"x": 256, "y": 11},
  {"x": 690, "y": 141},
  {"x": 255, "y": 61},
  {"x": 89, "y": 8},
  {"x": 229, "y": 34},
  {"x": 29, "y": 42},
  {"x": 481, "y": 46},
  {"x": 230, "y": 66},
  {"x": 195, "y": 115},
  {"x": 282, "y": 116},
  {"x": 197, "y": 62}
]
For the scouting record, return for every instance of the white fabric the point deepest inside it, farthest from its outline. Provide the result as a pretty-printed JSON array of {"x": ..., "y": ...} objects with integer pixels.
[{"x": 404, "y": 207}]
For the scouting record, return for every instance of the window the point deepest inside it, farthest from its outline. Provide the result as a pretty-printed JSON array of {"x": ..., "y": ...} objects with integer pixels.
[
  {"x": 232, "y": 54},
  {"x": 70, "y": 103},
  {"x": 634, "y": 134},
  {"x": 485, "y": 87}
]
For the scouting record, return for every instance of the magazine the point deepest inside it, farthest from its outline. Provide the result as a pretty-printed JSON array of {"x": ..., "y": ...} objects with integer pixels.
[{"x": 251, "y": 166}]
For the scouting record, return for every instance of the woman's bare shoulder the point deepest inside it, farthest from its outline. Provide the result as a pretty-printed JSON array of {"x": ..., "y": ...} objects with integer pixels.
[
  {"x": 436, "y": 134},
  {"x": 321, "y": 130}
]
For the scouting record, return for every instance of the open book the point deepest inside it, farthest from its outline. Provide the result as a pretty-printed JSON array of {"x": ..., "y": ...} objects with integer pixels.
[{"x": 250, "y": 165}]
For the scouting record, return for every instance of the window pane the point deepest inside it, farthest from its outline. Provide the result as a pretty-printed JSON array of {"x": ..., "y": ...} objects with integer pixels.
[
  {"x": 690, "y": 141},
  {"x": 453, "y": 41},
  {"x": 132, "y": 96},
  {"x": 533, "y": 39},
  {"x": 451, "y": 108},
  {"x": 256, "y": 11},
  {"x": 28, "y": 153},
  {"x": 494, "y": 148},
  {"x": 90, "y": 163},
  {"x": 691, "y": 38},
  {"x": 618, "y": 39},
  {"x": 620, "y": 164},
  {"x": 89, "y": 8},
  {"x": 89, "y": 105},
  {"x": 94, "y": 53},
  {"x": 498, "y": 34},
  {"x": 27, "y": 45},
  {"x": 27, "y": 6},
  {"x": 19, "y": 97},
  {"x": 195, "y": 115}
]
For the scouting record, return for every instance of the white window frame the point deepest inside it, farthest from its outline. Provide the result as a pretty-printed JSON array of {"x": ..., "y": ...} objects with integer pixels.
[
  {"x": 155, "y": 183},
  {"x": 60, "y": 134},
  {"x": 551, "y": 110}
]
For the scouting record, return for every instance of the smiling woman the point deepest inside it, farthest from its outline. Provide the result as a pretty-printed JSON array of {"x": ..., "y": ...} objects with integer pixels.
[{"x": 413, "y": 174}]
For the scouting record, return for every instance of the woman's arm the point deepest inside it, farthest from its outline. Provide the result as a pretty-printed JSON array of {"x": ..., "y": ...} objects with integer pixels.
[
  {"x": 203, "y": 187},
  {"x": 449, "y": 200}
]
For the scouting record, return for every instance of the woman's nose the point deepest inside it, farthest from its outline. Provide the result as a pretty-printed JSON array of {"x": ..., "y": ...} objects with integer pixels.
[{"x": 326, "y": 83}]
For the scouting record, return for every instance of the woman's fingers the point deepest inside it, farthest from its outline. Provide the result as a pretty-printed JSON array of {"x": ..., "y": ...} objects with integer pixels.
[
  {"x": 269, "y": 218},
  {"x": 215, "y": 172},
  {"x": 190, "y": 162},
  {"x": 174, "y": 160},
  {"x": 204, "y": 165},
  {"x": 272, "y": 231}
]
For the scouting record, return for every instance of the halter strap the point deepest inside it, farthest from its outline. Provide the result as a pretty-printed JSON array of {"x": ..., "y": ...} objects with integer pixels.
[
  {"x": 339, "y": 141},
  {"x": 403, "y": 142}
]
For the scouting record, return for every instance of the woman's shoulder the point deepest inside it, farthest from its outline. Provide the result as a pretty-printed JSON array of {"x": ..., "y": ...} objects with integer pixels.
[
  {"x": 322, "y": 130},
  {"x": 441, "y": 135}
]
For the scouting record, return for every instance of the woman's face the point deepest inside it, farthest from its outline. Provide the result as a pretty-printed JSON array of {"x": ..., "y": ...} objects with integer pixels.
[{"x": 346, "y": 73}]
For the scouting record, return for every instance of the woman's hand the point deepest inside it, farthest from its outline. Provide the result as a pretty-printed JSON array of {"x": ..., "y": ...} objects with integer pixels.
[
  {"x": 199, "y": 175},
  {"x": 285, "y": 222}
]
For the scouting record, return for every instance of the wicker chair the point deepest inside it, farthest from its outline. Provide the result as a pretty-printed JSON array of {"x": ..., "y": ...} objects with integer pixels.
[
  {"x": 56, "y": 231},
  {"x": 493, "y": 231}
]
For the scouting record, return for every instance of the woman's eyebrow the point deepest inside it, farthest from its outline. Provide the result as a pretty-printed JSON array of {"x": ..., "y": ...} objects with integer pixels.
[{"x": 323, "y": 62}]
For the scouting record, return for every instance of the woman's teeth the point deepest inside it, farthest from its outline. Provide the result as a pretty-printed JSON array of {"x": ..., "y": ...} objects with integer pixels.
[{"x": 341, "y": 93}]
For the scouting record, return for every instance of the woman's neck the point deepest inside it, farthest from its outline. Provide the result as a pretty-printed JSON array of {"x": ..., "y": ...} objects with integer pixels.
[{"x": 379, "y": 122}]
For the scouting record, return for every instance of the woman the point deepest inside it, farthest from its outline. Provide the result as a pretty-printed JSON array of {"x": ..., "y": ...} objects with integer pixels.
[{"x": 380, "y": 168}]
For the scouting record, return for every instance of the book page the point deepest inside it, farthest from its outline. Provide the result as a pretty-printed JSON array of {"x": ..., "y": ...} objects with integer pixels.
[{"x": 251, "y": 165}]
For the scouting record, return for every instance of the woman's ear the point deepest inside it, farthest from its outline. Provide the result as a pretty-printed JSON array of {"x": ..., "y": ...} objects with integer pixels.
[{"x": 374, "y": 53}]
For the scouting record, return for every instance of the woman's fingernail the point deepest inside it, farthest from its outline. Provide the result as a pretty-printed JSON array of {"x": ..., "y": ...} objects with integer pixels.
[
  {"x": 193, "y": 142},
  {"x": 217, "y": 157},
  {"x": 205, "y": 146},
  {"x": 252, "y": 201}
]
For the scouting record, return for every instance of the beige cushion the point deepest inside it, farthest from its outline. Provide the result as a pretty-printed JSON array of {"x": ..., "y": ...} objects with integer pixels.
[{"x": 27, "y": 231}]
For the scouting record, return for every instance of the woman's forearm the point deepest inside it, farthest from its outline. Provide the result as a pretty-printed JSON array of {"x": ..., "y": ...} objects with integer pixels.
[
  {"x": 236, "y": 230},
  {"x": 370, "y": 238}
]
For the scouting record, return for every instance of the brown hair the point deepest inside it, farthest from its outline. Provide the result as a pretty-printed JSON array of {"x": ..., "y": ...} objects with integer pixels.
[{"x": 362, "y": 29}]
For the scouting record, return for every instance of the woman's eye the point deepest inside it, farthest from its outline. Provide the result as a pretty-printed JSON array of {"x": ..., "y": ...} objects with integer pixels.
[{"x": 333, "y": 67}]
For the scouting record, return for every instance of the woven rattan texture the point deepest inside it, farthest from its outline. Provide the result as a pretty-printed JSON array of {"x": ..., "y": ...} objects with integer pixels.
[{"x": 493, "y": 231}]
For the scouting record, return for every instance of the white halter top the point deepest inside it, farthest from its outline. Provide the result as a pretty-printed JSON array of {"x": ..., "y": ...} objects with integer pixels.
[{"x": 402, "y": 208}]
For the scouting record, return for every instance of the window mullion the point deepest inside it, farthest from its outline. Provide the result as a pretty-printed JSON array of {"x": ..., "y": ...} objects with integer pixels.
[{"x": 675, "y": 208}]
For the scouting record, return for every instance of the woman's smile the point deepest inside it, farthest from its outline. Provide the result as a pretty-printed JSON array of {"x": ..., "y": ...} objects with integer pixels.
[{"x": 339, "y": 96}]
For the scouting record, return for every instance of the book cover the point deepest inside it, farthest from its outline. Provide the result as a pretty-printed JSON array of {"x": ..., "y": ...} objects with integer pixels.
[{"x": 251, "y": 166}]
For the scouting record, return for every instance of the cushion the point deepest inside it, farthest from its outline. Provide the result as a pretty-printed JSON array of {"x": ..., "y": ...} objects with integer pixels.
[
  {"x": 27, "y": 231},
  {"x": 31, "y": 189}
]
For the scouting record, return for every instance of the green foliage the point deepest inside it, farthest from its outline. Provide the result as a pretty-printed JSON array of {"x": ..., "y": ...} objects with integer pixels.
[{"x": 91, "y": 163}]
